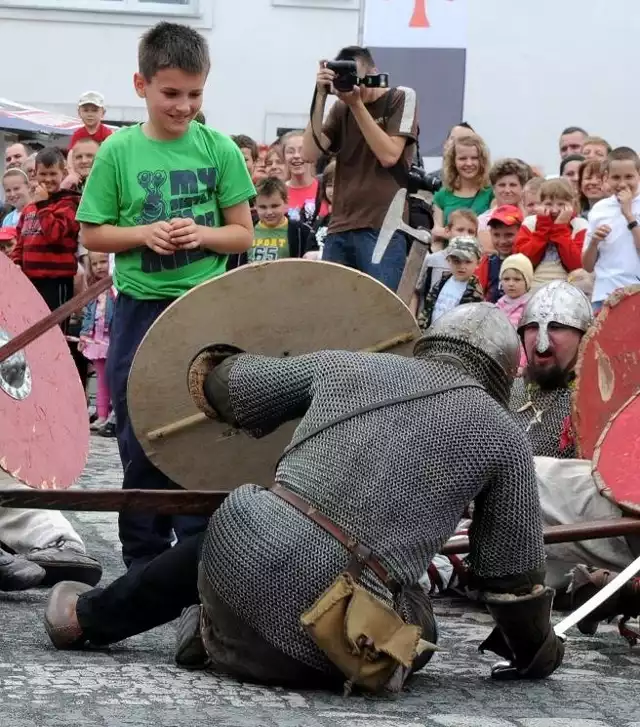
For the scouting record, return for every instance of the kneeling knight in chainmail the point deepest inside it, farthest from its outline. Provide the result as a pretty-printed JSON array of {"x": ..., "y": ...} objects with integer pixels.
[{"x": 315, "y": 581}]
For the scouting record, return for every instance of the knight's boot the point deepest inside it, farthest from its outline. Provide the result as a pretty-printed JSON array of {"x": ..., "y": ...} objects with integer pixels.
[
  {"x": 190, "y": 651},
  {"x": 586, "y": 582},
  {"x": 523, "y": 635}
]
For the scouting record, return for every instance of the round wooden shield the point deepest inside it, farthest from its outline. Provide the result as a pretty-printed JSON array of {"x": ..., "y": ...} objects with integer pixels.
[
  {"x": 608, "y": 368},
  {"x": 616, "y": 461},
  {"x": 44, "y": 427},
  {"x": 282, "y": 308}
]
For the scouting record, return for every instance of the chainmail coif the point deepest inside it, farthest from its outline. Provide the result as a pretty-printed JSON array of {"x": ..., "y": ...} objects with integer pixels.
[{"x": 397, "y": 479}]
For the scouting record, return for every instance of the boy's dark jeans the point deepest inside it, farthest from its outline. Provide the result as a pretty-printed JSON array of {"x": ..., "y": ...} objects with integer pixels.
[
  {"x": 143, "y": 536},
  {"x": 354, "y": 248}
]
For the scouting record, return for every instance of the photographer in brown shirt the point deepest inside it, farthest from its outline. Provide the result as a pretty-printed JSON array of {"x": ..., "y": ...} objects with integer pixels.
[{"x": 372, "y": 132}]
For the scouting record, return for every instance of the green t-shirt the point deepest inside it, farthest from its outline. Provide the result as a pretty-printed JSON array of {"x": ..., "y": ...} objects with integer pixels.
[
  {"x": 448, "y": 201},
  {"x": 269, "y": 243},
  {"x": 136, "y": 180}
]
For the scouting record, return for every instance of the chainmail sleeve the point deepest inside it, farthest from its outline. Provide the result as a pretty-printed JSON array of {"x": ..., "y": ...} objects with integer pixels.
[
  {"x": 507, "y": 548},
  {"x": 266, "y": 392}
]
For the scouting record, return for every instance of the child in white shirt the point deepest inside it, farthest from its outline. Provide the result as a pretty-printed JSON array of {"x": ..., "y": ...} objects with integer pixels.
[{"x": 612, "y": 249}]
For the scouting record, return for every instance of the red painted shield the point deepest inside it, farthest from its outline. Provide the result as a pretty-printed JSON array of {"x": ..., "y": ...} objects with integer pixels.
[
  {"x": 616, "y": 461},
  {"x": 608, "y": 369},
  {"x": 44, "y": 428}
]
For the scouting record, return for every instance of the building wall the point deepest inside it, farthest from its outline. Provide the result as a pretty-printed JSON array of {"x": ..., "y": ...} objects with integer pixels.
[{"x": 532, "y": 67}]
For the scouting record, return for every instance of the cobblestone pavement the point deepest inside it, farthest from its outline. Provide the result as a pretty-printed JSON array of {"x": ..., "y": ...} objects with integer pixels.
[{"x": 135, "y": 683}]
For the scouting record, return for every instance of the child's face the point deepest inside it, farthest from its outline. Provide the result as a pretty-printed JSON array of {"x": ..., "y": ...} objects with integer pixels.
[
  {"x": 293, "y": 157},
  {"x": 50, "y": 177},
  {"x": 84, "y": 154},
  {"x": 275, "y": 167},
  {"x": 530, "y": 202},
  {"x": 173, "y": 98},
  {"x": 462, "y": 270},
  {"x": 99, "y": 265},
  {"x": 91, "y": 115},
  {"x": 467, "y": 161},
  {"x": 462, "y": 228},
  {"x": 271, "y": 209},
  {"x": 508, "y": 190},
  {"x": 328, "y": 192},
  {"x": 572, "y": 172},
  {"x": 503, "y": 237},
  {"x": 592, "y": 186},
  {"x": 248, "y": 159},
  {"x": 553, "y": 206},
  {"x": 16, "y": 190},
  {"x": 594, "y": 151},
  {"x": 622, "y": 175},
  {"x": 513, "y": 283}
]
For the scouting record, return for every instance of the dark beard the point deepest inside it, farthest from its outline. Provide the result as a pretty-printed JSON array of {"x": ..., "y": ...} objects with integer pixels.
[{"x": 549, "y": 378}]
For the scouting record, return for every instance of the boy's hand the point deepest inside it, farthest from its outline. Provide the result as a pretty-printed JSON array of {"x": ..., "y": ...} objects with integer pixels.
[
  {"x": 600, "y": 233},
  {"x": 71, "y": 181},
  {"x": 81, "y": 345},
  {"x": 566, "y": 215},
  {"x": 40, "y": 194},
  {"x": 626, "y": 198},
  {"x": 158, "y": 238},
  {"x": 185, "y": 234}
]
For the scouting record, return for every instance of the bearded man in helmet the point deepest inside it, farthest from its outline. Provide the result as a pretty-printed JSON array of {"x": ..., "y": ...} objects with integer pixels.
[{"x": 390, "y": 450}]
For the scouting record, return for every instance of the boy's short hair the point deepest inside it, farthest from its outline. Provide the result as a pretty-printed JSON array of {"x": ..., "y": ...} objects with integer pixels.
[
  {"x": 506, "y": 167},
  {"x": 50, "y": 156},
  {"x": 558, "y": 188},
  {"x": 243, "y": 141},
  {"x": 170, "y": 45},
  {"x": 622, "y": 154},
  {"x": 200, "y": 118},
  {"x": 463, "y": 214},
  {"x": 269, "y": 186},
  {"x": 598, "y": 141},
  {"x": 355, "y": 52}
]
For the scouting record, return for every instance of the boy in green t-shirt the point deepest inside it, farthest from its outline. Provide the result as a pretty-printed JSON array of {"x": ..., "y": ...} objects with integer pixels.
[{"x": 170, "y": 198}]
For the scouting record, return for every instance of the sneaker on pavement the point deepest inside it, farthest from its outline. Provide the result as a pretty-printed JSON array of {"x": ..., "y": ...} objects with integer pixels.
[
  {"x": 62, "y": 562},
  {"x": 18, "y": 574}
]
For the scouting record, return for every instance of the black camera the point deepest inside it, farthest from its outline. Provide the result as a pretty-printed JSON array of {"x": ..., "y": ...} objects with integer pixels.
[
  {"x": 420, "y": 179},
  {"x": 347, "y": 77}
]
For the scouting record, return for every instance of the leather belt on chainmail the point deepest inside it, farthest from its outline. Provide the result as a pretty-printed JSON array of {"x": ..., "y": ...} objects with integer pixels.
[{"x": 362, "y": 555}]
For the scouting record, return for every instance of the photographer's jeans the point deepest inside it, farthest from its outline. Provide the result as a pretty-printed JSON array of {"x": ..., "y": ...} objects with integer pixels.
[{"x": 355, "y": 250}]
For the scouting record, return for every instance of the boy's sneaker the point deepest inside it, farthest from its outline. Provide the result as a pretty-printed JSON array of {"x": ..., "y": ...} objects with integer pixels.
[
  {"x": 97, "y": 424},
  {"x": 107, "y": 430}
]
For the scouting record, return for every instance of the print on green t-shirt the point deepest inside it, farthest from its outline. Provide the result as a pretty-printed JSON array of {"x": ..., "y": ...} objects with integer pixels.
[
  {"x": 269, "y": 243},
  {"x": 136, "y": 180},
  {"x": 448, "y": 201}
]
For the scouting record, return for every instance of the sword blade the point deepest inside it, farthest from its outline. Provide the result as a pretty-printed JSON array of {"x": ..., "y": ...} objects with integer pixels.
[{"x": 598, "y": 599}]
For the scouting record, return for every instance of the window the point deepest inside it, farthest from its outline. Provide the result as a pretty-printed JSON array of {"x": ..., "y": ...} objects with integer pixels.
[
  {"x": 148, "y": 7},
  {"x": 326, "y": 4}
]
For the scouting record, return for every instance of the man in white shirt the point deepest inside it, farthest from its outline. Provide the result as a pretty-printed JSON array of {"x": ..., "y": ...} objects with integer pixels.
[{"x": 612, "y": 249}]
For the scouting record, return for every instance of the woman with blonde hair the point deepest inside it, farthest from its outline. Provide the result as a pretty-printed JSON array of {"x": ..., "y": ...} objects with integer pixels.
[{"x": 465, "y": 180}]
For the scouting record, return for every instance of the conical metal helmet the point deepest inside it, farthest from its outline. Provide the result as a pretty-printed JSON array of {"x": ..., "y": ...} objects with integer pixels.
[
  {"x": 557, "y": 302},
  {"x": 482, "y": 326}
]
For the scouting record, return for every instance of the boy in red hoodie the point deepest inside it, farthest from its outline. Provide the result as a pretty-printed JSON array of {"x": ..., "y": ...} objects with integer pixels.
[
  {"x": 553, "y": 238},
  {"x": 47, "y": 233}
]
